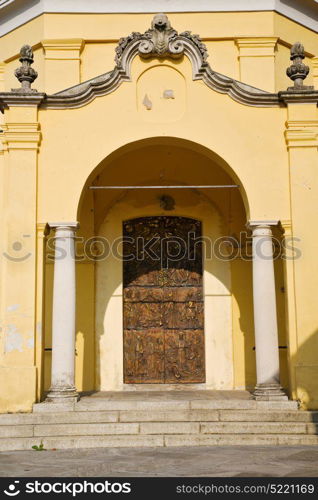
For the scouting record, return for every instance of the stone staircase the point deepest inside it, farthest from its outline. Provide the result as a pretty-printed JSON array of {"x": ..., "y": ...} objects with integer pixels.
[{"x": 184, "y": 418}]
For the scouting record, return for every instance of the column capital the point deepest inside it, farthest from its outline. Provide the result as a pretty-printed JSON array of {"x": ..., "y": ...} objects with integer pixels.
[
  {"x": 73, "y": 226},
  {"x": 255, "y": 224}
]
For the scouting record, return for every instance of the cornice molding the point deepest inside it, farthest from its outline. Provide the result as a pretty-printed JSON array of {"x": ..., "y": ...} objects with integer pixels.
[
  {"x": 301, "y": 96},
  {"x": 8, "y": 99}
]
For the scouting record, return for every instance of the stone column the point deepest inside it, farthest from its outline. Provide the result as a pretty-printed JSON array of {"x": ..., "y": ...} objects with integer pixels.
[
  {"x": 265, "y": 317},
  {"x": 63, "y": 317}
]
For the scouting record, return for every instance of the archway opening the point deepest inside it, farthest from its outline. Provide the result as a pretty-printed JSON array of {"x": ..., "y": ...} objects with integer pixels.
[{"x": 220, "y": 213}]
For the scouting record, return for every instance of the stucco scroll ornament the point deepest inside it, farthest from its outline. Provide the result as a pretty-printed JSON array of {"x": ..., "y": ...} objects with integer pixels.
[
  {"x": 298, "y": 71},
  {"x": 196, "y": 40},
  {"x": 25, "y": 74},
  {"x": 161, "y": 40}
]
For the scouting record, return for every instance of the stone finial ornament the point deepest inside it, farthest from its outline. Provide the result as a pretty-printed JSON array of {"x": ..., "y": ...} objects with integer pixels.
[
  {"x": 298, "y": 71},
  {"x": 25, "y": 74},
  {"x": 161, "y": 40}
]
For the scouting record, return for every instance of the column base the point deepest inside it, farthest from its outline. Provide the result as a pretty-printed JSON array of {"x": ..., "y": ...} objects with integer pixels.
[
  {"x": 61, "y": 394},
  {"x": 269, "y": 392}
]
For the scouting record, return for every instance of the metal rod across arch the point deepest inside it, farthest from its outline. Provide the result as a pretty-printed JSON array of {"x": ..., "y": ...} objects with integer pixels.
[{"x": 218, "y": 186}]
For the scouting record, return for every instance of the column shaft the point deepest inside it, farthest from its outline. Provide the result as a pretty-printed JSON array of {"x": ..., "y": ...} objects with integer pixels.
[
  {"x": 63, "y": 318},
  {"x": 265, "y": 315}
]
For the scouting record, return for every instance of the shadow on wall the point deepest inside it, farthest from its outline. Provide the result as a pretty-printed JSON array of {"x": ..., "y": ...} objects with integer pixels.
[{"x": 305, "y": 364}]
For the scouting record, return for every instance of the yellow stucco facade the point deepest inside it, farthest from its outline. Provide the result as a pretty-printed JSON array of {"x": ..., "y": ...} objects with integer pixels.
[{"x": 52, "y": 151}]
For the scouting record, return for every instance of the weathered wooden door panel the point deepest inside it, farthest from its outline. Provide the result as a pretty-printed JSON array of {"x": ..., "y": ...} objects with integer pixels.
[
  {"x": 144, "y": 356},
  {"x": 182, "y": 315},
  {"x": 163, "y": 301},
  {"x": 141, "y": 315},
  {"x": 184, "y": 356}
]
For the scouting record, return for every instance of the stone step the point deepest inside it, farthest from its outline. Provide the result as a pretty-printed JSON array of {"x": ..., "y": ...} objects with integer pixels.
[
  {"x": 72, "y": 442},
  {"x": 268, "y": 416},
  {"x": 175, "y": 415},
  {"x": 240, "y": 440},
  {"x": 85, "y": 429},
  {"x": 222, "y": 428},
  {"x": 160, "y": 427},
  {"x": 59, "y": 417},
  {"x": 153, "y": 404},
  {"x": 207, "y": 415},
  {"x": 16, "y": 431},
  {"x": 253, "y": 428},
  {"x": 141, "y": 420}
]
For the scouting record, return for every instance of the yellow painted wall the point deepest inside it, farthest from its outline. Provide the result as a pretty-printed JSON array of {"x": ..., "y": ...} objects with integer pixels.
[{"x": 51, "y": 157}]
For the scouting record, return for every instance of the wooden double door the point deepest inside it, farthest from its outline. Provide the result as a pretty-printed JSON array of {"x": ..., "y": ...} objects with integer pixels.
[{"x": 163, "y": 301}]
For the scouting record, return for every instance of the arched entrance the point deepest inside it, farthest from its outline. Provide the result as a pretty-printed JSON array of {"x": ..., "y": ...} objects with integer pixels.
[{"x": 207, "y": 349}]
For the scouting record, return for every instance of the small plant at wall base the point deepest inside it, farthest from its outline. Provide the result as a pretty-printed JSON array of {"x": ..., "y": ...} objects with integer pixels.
[{"x": 39, "y": 448}]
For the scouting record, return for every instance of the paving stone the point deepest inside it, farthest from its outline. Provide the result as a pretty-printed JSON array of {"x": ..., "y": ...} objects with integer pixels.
[{"x": 209, "y": 461}]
